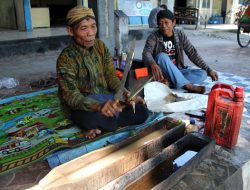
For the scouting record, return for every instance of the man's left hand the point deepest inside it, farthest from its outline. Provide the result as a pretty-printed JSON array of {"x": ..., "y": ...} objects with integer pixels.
[
  {"x": 136, "y": 99},
  {"x": 126, "y": 94},
  {"x": 139, "y": 100},
  {"x": 213, "y": 75}
]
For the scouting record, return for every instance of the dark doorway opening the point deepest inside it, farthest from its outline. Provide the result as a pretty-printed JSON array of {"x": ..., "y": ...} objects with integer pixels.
[
  {"x": 57, "y": 10},
  {"x": 180, "y": 3},
  {"x": 224, "y": 10}
]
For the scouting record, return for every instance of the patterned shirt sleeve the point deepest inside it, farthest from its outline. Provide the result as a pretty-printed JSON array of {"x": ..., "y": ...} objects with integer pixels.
[
  {"x": 111, "y": 78},
  {"x": 147, "y": 54}
]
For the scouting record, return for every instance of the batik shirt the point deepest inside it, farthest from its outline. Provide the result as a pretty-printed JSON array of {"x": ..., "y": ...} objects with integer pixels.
[{"x": 82, "y": 72}]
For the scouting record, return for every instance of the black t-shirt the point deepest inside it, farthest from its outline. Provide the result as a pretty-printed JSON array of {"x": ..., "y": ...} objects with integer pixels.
[{"x": 169, "y": 48}]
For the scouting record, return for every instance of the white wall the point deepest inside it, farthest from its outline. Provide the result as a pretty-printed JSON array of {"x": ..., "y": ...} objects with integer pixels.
[{"x": 169, "y": 3}]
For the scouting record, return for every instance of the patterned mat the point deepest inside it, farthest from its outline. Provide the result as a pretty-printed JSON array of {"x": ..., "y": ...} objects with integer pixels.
[
  {"x": 233, "y": 80},
  {"x": 32, "y": 127}
]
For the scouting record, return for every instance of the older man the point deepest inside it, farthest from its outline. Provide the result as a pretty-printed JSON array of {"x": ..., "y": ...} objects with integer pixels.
[
  {"x": 87, "y": 80},
  {"x": 163, "y": 51}
]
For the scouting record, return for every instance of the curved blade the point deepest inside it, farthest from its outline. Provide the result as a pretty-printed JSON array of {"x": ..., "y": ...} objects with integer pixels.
[{"x": 119, "y": 95}]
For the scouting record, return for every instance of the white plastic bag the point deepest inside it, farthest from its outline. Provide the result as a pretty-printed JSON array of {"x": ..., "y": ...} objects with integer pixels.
[
  {"x": 8, "y": 82},
  {"x": 156, "y": 92}
]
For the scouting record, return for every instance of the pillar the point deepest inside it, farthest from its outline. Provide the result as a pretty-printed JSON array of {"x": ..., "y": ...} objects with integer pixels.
[
  {"x": 82, "y": 2},
  {"x": 20, "y": 15},
  {"x": 27, "y": 15},
  {"x": 121, "y": 31},
  {"x": 104, "y": 12}
]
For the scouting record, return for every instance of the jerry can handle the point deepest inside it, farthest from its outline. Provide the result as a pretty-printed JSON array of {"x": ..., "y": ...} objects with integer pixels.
[
  {"x": 223, "y": 85},
  {"x": 226, "y": 93}
]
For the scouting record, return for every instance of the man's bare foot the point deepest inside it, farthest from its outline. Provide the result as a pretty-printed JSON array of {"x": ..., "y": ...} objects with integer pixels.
[
  {"x": 92, "y": 133},
  {"x": 194, "y": 89},
  {"x": 98, "y": 131}
]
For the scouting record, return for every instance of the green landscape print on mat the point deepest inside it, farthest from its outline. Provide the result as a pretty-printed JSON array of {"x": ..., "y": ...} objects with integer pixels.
[{"x": 31, "y": 127}]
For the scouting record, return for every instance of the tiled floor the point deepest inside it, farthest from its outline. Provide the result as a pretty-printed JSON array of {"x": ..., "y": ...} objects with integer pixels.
[{"x": 233, "y": 80}]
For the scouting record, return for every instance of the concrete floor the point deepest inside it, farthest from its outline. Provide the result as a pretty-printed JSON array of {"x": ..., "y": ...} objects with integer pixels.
[{"x": 219, "y": 49}]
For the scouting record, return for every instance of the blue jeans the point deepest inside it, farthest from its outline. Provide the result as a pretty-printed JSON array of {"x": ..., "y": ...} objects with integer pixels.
[{"x": 179, "y": 77}]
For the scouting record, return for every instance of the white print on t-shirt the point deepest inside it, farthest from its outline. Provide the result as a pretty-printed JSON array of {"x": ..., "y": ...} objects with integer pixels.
[{"x": 170, "y": 50}]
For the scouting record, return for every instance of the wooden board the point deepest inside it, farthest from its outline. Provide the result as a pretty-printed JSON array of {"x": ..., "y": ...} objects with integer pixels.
[
  {"x": 139, "y": 177},
  {"x": 94, "y": 170}
]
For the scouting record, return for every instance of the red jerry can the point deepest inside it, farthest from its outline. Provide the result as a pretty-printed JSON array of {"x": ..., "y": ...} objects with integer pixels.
[{"x": 224, "y": 113}]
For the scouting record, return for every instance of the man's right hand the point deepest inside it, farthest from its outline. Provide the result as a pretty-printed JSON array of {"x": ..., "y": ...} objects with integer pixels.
[
  {"x": 213, "y": 75},
  {"x": 110, "y": 108},
  {"x": 156, "y": 70}
]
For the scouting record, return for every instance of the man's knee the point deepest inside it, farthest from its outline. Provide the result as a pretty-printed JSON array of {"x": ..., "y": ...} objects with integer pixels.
[
  {"x": 162, "y": 58},
  {"x": 203, "y": 75},
  {"x": 142, "y": 113}
]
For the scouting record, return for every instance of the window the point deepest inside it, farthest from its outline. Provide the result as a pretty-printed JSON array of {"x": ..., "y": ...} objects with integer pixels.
[{"x": 206, "y": 4}]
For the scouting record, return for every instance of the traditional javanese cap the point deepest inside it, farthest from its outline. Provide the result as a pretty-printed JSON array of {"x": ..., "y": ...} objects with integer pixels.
[{"x": 77, "y": 14}]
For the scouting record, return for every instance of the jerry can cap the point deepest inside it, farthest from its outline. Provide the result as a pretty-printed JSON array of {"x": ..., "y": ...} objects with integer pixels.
[{"x": 239, "y": 92}]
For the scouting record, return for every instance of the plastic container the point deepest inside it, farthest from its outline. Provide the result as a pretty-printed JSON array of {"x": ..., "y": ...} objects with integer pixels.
[
  {"x": 116, "y": 58},
  {"x": 123, "y": 61},
  {"x": 8, "y": 82},
  {"x": 191, "y": 127},
  {"x": 224, "y": 114}
]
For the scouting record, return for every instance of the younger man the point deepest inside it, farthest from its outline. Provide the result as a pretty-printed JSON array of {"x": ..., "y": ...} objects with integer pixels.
[{"x": 163, "y": 51}]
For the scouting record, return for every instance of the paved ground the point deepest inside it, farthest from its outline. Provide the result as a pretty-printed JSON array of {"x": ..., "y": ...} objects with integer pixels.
[{"x": 219, "y": 49}]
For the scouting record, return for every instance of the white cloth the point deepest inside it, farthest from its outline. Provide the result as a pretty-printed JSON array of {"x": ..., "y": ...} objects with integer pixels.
[{"x": 156, "y": 92}]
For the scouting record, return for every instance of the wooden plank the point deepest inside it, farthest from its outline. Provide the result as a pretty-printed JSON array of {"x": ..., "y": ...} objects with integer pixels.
[
  {"x": 167, "y": 155},
  {"x": 86, "y": 159},
  {"x": 142, "y": 169},
  {"x": 82, "y": 173},
  {"x": 168, "y": 183}
]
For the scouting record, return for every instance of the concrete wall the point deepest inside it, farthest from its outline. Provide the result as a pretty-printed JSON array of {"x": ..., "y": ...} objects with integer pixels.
[
  {"x": 232, "y": 7},
  {"x": 169, "y": 3},
  {"x": 20, "y": 15},
  {"x": 105, "y": 9},
  {"x": 121, "y": 31},
  {"x": 217, "y": 7},
  {"x": 7, "y": 14}
]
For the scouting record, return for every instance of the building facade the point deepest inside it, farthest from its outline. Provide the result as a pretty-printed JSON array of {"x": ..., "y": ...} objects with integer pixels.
[{"x": 28, "y": 14}]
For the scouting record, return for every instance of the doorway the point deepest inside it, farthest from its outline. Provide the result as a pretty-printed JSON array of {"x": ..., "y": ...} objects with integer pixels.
[{"x": 57, "y": 10}]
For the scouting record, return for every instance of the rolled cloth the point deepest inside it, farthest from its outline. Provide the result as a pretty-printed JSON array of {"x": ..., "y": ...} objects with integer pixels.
[{"x": 77, "y": 14}]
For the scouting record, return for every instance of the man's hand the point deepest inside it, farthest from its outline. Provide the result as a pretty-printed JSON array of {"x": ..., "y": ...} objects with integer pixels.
[
  {"x": 156, "y": 70},
  {"x": 110, "y": 108},
  {"x": 126, "y": 94},
  {"x": 139, "y": 100},
  {"x": 213, "y": 75}
]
